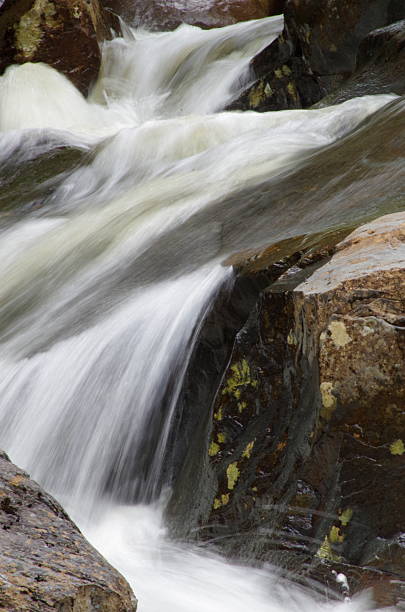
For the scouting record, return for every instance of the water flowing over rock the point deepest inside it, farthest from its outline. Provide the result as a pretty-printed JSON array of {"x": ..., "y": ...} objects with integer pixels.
[
  {"x": 164, "y": 252},
  {"x": 314, "y": 55},
  {"x": 162, "y": 15},
  {"x": 307, "y": 441},
  {"x": 64, "y": 34},
  {"x": 46, "y": 564}
]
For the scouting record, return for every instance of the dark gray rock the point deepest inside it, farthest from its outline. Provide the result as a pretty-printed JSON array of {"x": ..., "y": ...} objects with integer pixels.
[{"x": 316, "y": 52}]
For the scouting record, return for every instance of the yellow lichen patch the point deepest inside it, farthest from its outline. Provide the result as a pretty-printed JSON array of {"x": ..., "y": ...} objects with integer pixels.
[
  {"x": 286, "y": 70},
  {"x": 291, "y": 339},
  {"x": 239, "y": 379},
  {"x": 77, "y": 13},
  {"x": 242, "y": 406},
  {"x": 248, "y": 450},
  {"x": 338, "y": 333},
  {"x": 218, "y": 416},
  {"x": 292, "y": 91},
  {"x": 335, "y": 537},
  {"x": 16, "y": 480},
  {"x": 225, "y": 499},
  {"x": 221, "y": 437},
  {"x": 222, "y": 501},
  {"x": 278, "y": 73},
  {"x": 232, "y": 473},
  {"x": 325, "y": 551},
  {"x": 257, "y": 95},
  {"x": 346, "y": 516},
  {"x": 397, "y": 448},
  {"x": 213, "y": 449},
  {"x": 217, "y": 503},
  {"x": 28, "y": 32},
  {"x": 328, "y": 400}
]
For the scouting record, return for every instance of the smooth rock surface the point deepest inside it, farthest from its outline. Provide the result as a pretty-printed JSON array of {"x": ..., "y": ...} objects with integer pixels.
[
  {"x": 64, "y": 34},
  {"x": 380, "y": 66},
  {"x": 46, "y": 564},
  {"x": 162, "y": 15}
]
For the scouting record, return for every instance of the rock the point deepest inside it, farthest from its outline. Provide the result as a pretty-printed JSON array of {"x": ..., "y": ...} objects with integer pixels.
[
  {"x": 28, "y": 184},
  {"x": 380, "y": 66},
  {"x": 307, "y": 439},
  {"x": 315, "y": 53},
  {"x": 161, "y": 15},
  {"x": 46, "y": 564},
  {"x": 64, "y": 34}
]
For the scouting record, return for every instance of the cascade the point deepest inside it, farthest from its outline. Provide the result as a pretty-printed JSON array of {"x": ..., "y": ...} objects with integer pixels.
[{"x": 106, "y": 279}]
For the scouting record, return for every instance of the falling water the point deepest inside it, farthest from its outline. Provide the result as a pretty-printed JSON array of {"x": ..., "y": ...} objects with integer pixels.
[{"x": 105, "y": 281}]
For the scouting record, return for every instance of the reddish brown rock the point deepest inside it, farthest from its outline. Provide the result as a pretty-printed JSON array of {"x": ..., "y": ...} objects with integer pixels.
[
  {"x": 307, "y": 444},
  {"x": 64, "y": 34},
  {"x": 162, "y": 15},
  {"x": 46, "y": 564}
]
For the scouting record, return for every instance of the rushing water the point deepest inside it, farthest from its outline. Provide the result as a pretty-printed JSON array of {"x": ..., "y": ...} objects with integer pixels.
[{"x": 103, "y": 286}]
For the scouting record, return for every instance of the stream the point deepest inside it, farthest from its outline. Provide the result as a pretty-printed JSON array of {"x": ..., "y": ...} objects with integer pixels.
[{"x": 107, "y": 275}]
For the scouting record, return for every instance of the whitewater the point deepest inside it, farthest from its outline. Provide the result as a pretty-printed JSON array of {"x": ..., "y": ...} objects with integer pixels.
[{"x": 105, "y": 283}]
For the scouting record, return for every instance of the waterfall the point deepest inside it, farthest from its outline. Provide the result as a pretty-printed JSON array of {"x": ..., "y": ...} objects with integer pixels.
[{"x": 105, "y": 281}]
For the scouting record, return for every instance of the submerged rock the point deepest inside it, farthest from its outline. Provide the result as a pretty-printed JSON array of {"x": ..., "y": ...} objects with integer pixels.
[
  {"x": 163, "y": 15},
  {"x": 64, "y": 34},
  {"x": 315, "y": 53},
  {"x": 307, "y": 442},
  {"x": 46, "y": 564}
]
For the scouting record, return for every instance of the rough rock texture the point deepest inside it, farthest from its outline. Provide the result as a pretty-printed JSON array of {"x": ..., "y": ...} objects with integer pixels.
[
  {"x": 314, "y": 54},
  {"x": 307, "y": 445},
  {"x": 64, "y": 34},
  {"x": 46, "y": 564},
  {"x": 162, "y": 15}
]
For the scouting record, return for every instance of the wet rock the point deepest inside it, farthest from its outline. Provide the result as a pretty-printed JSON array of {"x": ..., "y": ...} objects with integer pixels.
[
  {"x": 380, "y": 66},
  {"x": 64, "y": 34},
  {"x": 307, "y": 442},
  {"x": 314, "y": 54},
  {"x": 161, "y": 15},
  {"x": 27, "y": 182},
  {"x": 46, "y": 564}
]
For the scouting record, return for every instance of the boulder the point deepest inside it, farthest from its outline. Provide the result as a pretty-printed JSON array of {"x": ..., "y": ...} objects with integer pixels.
[
  {"x": 380, "y": 66},
  {"x": 64, "y": 34},
  {"x": 307, "y": 439},
  {"x": 46, "y": 563},
  {"x": 162, "y": 15},
  {"x": 315, "y": 53}
]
